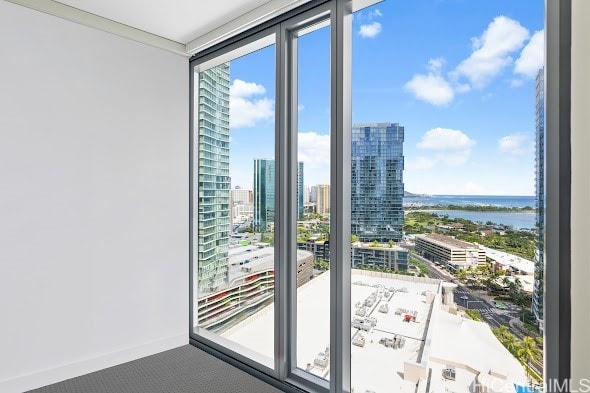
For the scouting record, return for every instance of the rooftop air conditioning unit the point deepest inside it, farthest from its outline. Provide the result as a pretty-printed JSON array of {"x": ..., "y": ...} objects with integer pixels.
[
  {"x": 359, "y": 341},
  {"x": 321, "y": 360},
  {"x": 449, "y": 373}
]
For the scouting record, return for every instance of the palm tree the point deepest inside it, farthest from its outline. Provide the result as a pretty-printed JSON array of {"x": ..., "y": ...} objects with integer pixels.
[
  {"x": 461, "y": 275},
  {"x": 528, "y": 351},
  {"x": 502, "y": 331},
  {"x": 511, "y": 343}
]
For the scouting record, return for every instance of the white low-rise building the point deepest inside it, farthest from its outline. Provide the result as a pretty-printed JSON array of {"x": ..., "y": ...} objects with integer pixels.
[{"x": 403, "y": 338}]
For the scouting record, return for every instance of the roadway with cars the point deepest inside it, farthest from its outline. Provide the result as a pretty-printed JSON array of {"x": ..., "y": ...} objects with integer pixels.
[{"x": 465, "y": 298}]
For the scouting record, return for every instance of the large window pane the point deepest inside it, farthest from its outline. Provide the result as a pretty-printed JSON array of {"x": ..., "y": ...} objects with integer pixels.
[
  {"x": 313, "y": 199},
  {"x": 447, "y": 196},
  {"x": 234, "y": 195}
]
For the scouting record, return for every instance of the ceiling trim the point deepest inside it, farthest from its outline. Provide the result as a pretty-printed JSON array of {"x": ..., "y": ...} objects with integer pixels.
[
  {"x": 259, "y": 15},
  {"x": 98, "y": 22}
]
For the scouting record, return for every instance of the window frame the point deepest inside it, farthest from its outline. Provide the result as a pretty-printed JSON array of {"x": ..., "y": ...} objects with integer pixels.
[{"x": 557, "y": 275}]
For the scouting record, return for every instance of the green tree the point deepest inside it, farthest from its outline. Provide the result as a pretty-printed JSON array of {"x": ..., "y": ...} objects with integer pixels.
[
  {"x": 511, "y": 343},
  {"x": 501, "y": 332},
  {"x": 528, "y": 351}
]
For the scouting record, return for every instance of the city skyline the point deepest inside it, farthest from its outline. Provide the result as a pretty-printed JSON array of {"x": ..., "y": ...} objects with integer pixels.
[{"x": 479, "y": 104}]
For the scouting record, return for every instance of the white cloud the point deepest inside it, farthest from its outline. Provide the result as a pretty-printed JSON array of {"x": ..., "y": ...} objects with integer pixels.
[
  {"x": 532, "y": 56},
  {"x": 370, "y": 30},
  {"x": 445, "y": 139},
  {"x": 375, "y": 13},
  {"x": 515, "y": 144},
  {"x": 516, "y": 83},
  {"x": 314, "y": 150},
  {"x": 450, "y": 147},
  {"x": 240, "y": 88},
  {"x": 431, "y": 87},
  {"x": 245, "y": 111},
  {"x": 491, "y": 51},
  {"x": 300, "y": 107}
]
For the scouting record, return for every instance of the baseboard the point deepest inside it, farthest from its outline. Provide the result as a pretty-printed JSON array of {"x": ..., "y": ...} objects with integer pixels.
[{"x": 52, "y": 375}]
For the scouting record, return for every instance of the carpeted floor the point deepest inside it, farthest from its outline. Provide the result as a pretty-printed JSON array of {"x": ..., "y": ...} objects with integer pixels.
[{"x": 184, "y": 370}]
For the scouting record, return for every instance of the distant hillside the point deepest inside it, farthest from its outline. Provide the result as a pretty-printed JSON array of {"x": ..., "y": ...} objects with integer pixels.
[{"x": 410, "y": 195}]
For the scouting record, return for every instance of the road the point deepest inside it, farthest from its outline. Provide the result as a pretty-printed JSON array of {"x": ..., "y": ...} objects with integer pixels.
[{"x": 465, "y": 298}]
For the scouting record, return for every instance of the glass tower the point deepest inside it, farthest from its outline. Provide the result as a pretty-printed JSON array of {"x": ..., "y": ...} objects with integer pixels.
[
  {"x": 213, "y": 178},
  {"x": 377, "y": 181},
  {"x": 264, "y": 193},
  {"x": 537, "y": 304}
]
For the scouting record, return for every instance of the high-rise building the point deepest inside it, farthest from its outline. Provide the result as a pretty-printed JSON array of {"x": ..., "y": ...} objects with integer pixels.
[
  {"x": 240, "y": 195},
  {"x": 213, "y": 178},
  {"x": 377, "y": 186},
  {"x": 300, "y": 193},
  {"x": 313, "y": 194},
  {"x": 537, "y": 304},
  {"x": 306, "y": 194},
  {"x": 323, "y": 199},
  {"x": 264, "y": 193}
]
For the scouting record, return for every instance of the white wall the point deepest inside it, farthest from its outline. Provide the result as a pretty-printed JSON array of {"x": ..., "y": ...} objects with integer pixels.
[
  {"x": 580, "y": 192},
  {"x": 93, "y": 199}
]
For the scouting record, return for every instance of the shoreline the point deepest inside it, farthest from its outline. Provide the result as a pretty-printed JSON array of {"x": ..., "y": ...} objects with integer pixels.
[{"x": 470, "y": 208}]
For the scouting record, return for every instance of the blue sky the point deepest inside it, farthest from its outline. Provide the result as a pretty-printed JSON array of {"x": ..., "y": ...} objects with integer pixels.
[{"x": 457, "y": 74}]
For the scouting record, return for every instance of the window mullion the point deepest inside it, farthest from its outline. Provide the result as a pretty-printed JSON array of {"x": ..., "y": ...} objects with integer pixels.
[
  {"x": 282, "y": 348},
  {"x": 340, "y": 150}
]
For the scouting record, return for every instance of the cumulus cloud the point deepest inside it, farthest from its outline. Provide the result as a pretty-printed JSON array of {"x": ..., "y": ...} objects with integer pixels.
[
  {"x": 451, "y": 147},
  {"x": 246, "y": 110},
  {"x": 492, "y": 50},
  {"x": 445, "y": 139},
  {"x": 240, "y": 88},
  {"x": 515, "y": 144},
  {"x": 431, "y": 87},
  {"x": 314, "y": 150},
  {"x": 370, "y": 30},
  {"x": 532, "y": 56}
]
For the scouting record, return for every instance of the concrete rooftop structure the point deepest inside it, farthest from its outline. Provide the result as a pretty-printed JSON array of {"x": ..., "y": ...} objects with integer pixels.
[{"x": 433, "y": 340}]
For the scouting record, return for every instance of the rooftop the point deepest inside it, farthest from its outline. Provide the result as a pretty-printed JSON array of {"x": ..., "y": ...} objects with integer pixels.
[
  {"x": 447, "y": 241},
  {"x": 514, "y": 261},
  {"x": 450, "y": 339}
]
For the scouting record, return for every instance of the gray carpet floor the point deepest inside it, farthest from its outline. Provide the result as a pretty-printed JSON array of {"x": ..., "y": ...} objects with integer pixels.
[{"x": 184, "y": 370}]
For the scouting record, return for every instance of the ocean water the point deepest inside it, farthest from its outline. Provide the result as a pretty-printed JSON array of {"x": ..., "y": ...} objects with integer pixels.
[
  {"x": 476, "y": 200},
  {"x": 517, "y": 219}
]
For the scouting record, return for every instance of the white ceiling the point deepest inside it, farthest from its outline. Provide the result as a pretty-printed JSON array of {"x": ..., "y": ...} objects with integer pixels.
[{"x": 176, "y": 20}]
